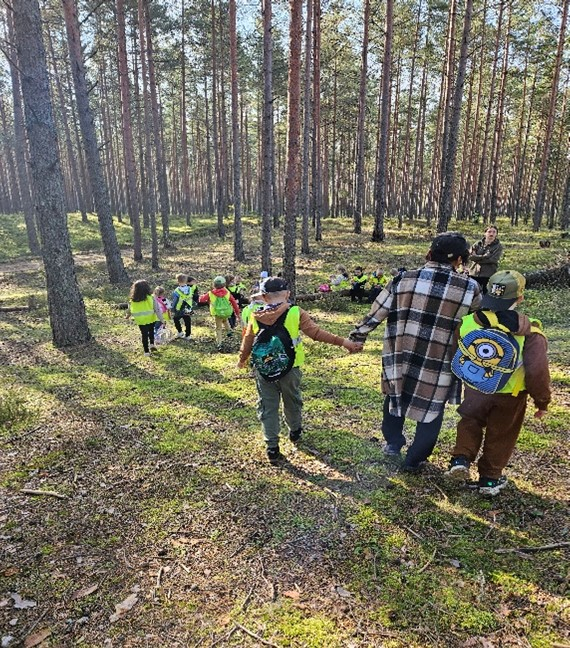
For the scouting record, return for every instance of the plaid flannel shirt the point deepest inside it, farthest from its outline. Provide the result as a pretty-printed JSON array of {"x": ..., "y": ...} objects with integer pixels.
[{"x": 422, "y": 308}]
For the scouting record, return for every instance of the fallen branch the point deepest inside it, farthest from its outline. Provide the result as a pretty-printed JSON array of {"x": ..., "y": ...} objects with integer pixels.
[
  {"x": 429, "y": 562},
  {"x": 254, "y": 636},
  {"x": 548, "y": 547},
  {"x": 31, "y": 491},
  {"x": 13, "y": 309}
]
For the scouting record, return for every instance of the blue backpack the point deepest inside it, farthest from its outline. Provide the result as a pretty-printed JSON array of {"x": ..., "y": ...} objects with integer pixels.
[
  {"x": 486, "y": 358},
  {"x": 273, "y": 350}
]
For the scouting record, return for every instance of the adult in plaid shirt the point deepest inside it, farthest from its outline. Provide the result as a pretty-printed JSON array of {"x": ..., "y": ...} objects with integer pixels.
[{"x": 423, "y": 308}]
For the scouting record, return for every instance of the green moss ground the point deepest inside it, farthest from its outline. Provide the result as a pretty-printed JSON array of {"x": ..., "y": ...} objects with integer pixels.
[{"x": 168, "y": 493}]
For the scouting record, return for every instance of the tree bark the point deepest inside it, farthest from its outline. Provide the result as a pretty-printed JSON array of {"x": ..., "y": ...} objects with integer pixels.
[
  {"x": 293, "y": 132},
  {"x": 115, "y": 267},
  {"x": 129, "y": 151},
  {"x": 381, "y": 175},
  {"x": 305, "y": 193},
  {"x": 239, "y": 254},
  {"x": 267, "y": 152},
  {"x": 541, "y": 189},
  {"x": 64, "y": 297}
]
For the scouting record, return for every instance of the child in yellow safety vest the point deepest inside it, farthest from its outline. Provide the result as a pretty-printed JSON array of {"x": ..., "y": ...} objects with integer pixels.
[
  {"x": 184, "y": 296},
  {"x": 377, "y": 281},
  {"x": 145, "y": 310},
  {"x": 357, "y": 292},
  {"x": 273, "y": 340},
  {"x": 222, "y": 305},
  {"x": 495, "y": 399}
]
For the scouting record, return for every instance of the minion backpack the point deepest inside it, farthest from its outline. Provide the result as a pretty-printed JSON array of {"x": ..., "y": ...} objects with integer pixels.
[{"x": 487, "y": 359}]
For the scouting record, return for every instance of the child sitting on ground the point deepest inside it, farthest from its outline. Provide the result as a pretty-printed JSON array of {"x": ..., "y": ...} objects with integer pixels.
[
  {"x": 183, "y": 299},
  {"x": 497, "y": 406},
  {"x": 222, "y": 305},
  {"x": 145, "y": 310},
  {"x": 357, "y": 292},
  {"x": 279, "y": 319},
  {"x": 378, "y": 281}
]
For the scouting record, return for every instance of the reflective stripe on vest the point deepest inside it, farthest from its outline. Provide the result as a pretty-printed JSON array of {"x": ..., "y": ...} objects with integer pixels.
[
  {"x": 516, "y": 382},
  {"x": 291, "y": 323},
  {"x": 143, "y": 311}
]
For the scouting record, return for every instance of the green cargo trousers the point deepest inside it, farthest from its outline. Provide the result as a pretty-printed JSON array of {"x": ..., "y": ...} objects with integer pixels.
[{"x": 270, "y": 394}]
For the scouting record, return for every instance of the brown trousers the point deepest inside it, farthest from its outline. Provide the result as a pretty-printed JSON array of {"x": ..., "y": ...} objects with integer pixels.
[{"x": 501, "y": 416}]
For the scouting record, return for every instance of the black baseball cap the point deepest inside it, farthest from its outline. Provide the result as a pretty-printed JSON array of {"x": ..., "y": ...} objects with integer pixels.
[
  {"x": 449, "y": 246},
  {"x": 273, "y": 285}
]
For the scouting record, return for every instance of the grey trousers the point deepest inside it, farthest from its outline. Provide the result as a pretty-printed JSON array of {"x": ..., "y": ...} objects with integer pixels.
[{"x": 270, "y": 394}]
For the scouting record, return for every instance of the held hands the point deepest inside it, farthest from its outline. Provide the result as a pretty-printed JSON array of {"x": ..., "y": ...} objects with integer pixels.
[
  {"x": 352, "y": 347},
  {"x": 539, "y": 414}
]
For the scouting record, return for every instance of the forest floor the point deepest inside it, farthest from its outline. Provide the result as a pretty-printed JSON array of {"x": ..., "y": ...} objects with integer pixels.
[{"x": 167, "y": 527}]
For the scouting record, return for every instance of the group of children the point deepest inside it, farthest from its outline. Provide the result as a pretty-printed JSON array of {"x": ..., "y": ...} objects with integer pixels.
[
  {"x": 272, "y": 344},
  {"x": 364, "y": 288},
  {"x": 152, "y": 309}
]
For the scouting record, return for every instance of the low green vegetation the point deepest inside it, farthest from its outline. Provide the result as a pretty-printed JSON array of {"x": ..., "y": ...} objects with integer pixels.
[{"x": 168, "y": 495}]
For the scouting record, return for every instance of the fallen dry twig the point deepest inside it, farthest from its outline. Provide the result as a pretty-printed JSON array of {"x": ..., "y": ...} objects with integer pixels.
[
  {"x": 548, "y": 547},
  {"x": 47, "y": 493}
]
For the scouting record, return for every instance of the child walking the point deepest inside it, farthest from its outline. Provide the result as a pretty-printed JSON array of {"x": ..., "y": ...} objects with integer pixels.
[
  {"x": 145, "y": 310},
  {"x": 494, "y": 420},
  {"x": 164, "y": 306},
  {"x": 222, "y": 305},
  {"x": 274, "y": 381},
  {"x": 183, "y": 299}
]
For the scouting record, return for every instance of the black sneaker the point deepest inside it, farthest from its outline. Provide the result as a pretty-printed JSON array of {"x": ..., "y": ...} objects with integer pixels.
[
  {"x": 412, "y": 469},
  {"x": 490, "y": 486},
  {"x": 295, "y": 435},
  {"x": 274, "y": 455},
  {"x": 459, "y": 468}
]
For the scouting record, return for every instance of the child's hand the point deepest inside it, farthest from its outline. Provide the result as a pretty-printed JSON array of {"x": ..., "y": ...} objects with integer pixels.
[
  {"x": 127, "y": 316},
  {"x": 540, "y": 414},
  {"x": 352, "y": 347}
]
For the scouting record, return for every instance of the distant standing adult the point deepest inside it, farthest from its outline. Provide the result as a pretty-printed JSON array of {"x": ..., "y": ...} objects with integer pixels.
[
  {"x": 422, "y": 309},
  {"x": 485, "y": 256}
]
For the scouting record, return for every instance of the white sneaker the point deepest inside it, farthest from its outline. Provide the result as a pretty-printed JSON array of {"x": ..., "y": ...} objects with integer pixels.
[
  {"x": 187, "y": 337},
  {"x": 180, "y": 335},
  {"x": 147, "y": 353}
]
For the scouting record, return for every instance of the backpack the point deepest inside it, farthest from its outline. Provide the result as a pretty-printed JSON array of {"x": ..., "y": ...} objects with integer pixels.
[
  {"x": 487, "y": 358},
  {"x": 221, "y": 306},
  {"x": 184, "y": 305},
  {"x": 273, "y": 350}
]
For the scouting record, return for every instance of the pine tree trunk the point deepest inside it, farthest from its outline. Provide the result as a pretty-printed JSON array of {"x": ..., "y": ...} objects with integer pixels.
[
  {"x": 317, "y": 176},
  {"x": 239, "y": 254},
  {"x": 381, "y": 176},
  {"x": 66, "y": 308},
  {"x": 115, "y": 267},
  {"x": 184, "y": 122},
  {"x": 267, "y": 152},
  {"x": 20, "y": 148},
  {"x": 305, "y": 194},
  {"x": 360, "y": 132},
  {"x": 129, "y": 151},
  {"x": 293, "y": 132},
  {"x": 450, "y": 152},
  {"x": 545, "y": 158},
  {"x": 215, "y": 143}
]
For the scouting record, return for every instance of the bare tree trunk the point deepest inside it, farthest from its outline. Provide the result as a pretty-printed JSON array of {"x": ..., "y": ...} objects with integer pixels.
[
  {"x": 115, "y": 267},
  {"x": 267, "y": 152},
  {"x": 450, "y": 153},
  {"x": 239, "y": 254},
  {"x": 381, "y": 176},
  {"x": 305, "y": 193},
  {"x": 541, "y": 189},
  {"x": 63, "y": 292},
  {"x": 360, "y": 133},
  {"x": 20, "y": 148},
  {"x": 293, "y": 132},
  {"x": 129, "y": 151},
  {"x": 317, "y": 175},
  {"x": 183, "y": 120},
  {"x": 160, "y": 167},
  {"x": 150, "y": 133},
  {"x": 215, "y": 143}
]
